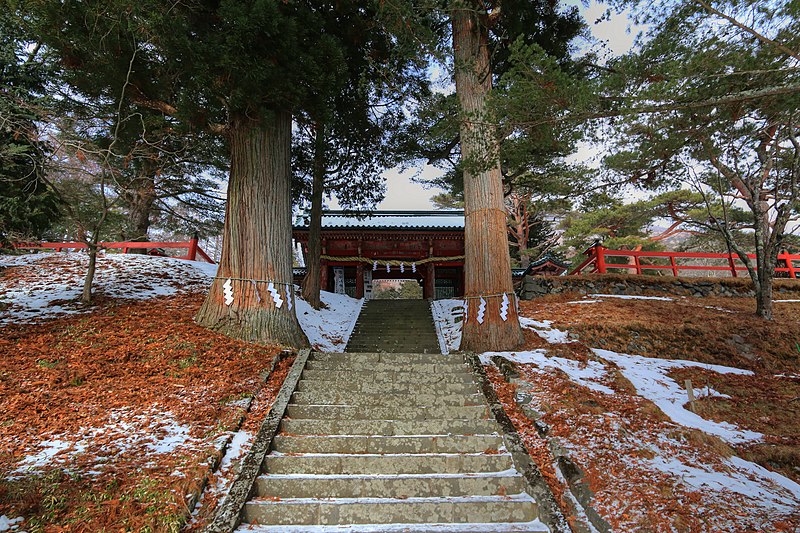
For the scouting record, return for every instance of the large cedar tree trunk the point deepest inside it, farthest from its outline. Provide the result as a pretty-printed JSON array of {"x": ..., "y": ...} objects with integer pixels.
[
  {"x": 312, "y": 283},
  {"x": 487, "y": 262},
  {"x": 257, "y": 238}
]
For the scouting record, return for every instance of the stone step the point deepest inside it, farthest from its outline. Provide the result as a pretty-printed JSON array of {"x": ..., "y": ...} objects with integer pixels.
[
  {"x": 430, "y": 397},
  {"x": 379, "y": 444},
  {"x": 392, "y": 328},
  {"x": 409, "y": 337},
  {"x": 359, "y": 366},
  {"x": 535, "y": 526},
  {"x": 309, "y": 511},
  {"x": 388, "y": 377},
  {"x": 433, "y": 463},
  {"x": 388, "y": 486},
  {"x": 391, "y": 358},
  {"x": 371, "y": 387},
  {"x": 398, "y": 348},
  {"x": 305, "y": 426},
  {"x": 398, "y": 412}
]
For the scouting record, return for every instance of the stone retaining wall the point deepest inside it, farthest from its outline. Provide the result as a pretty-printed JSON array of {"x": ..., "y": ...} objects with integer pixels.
[{"x": 536, "y": 286}]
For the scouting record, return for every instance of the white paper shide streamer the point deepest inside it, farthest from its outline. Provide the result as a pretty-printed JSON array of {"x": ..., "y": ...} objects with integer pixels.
[
  {"x": 504, "y": 307},
  {"x": 289, "y": 296},
  {"x": 466, "y": 310},
  {"x": 388, "y": 268},
  {"x": 374, "y": 265},
  {"x": 227, "y": 292},
  {"x": 402, "y": 268},
  {"x": 275, "y": 296},
  {"x": 481, "y": 311},
  {"x": 414, "y": 268}
]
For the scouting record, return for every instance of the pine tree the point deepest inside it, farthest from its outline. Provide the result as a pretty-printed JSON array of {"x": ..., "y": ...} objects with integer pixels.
[
  {"x": 27, "y": 207},
  {"x": 711, "y": 101}
]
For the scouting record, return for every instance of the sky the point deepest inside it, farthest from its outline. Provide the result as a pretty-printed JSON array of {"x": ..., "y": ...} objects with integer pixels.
[{"x": 404, "y": 194}]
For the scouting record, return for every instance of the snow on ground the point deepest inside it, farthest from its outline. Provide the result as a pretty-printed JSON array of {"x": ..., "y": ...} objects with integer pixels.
[
  {"x": 10, "y": 524},
  {"x": 43, "y": 286},
  {"x": 749, "y": 494},
  {"x": 151, "y": 433},
  {"x": 632, "y": 297},
  {"x": 46, "y": 285},
  {"x": 545, "y": 330},
  {"x": 589, "y": 374},
  {"x": 741, "y": 477},
  {"x": 649, "y": 376},
  {"x": 448, "y": 316},
  {"x": 329, "y": 329}
]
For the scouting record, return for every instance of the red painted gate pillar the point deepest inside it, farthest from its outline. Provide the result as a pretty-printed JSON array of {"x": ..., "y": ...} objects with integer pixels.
[
  {"x": 429, "y": 288},
  {"x": 359, "y": 281}
]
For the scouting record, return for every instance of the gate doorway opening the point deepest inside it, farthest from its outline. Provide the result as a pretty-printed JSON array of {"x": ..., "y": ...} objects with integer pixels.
[{"x": 397, "y": 289}]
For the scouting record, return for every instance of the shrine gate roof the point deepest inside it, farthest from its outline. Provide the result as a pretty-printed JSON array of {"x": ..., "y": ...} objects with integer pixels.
[{"x": 389, "y": 220}]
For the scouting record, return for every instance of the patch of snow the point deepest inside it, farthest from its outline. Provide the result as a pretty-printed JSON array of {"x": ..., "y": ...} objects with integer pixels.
[
  {"x": 585, "y": 301},
  {"x": 50, "y": 449},
  {"x": 632, "y": 297},
  {"x": 47, "y": 285},
  {"x": 329, "y": 329},
  {"x": 757, "y": 484},
  {"x": 758, "y": 470},
  {"x": 448, "y": 316},
  {"x": 545, "y": 330},
  {"x": 236, "y": 448},
  {"x": 649, "y": 376},
  {"x": 10, "y": 524},
  {"x": 785, "y": 301},
  {"x": 153, "y": 432},
  {"x": 580, "y": 510},
  {"x": 588, "y": 374},
  {"x": 714, "y": 307}
]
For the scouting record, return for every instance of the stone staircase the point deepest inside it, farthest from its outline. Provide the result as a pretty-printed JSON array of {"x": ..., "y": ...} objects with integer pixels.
[
  {"x": 396, "y": 326},
  {"x": 389, "y": 442}
]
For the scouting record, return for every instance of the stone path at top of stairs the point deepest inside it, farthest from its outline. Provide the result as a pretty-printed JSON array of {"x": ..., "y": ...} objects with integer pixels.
[
  {"x": 389, "y": 442},
  {"x": 399, "y": 326}
]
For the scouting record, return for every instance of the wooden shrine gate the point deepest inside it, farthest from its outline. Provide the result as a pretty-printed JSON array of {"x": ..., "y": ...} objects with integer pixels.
[{"x": 424, "y": 245}]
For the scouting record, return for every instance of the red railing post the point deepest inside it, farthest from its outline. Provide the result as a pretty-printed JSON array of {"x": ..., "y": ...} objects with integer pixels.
[
  {"x": 638, "y": 264},
  {"x": 733, "y": 266},
  {"x": 789, "y": 264},
  {"x": 192, "y": 254},
  {"x": 599, "y": 250},
  {"x": 674, "y": 265}
]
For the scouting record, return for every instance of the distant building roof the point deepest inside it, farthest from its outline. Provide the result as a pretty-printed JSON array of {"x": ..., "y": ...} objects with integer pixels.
[
  {"x": 541, "y": 263},
  {"x": 419, "y": 220},
  {"x": 518, "y": 272}
]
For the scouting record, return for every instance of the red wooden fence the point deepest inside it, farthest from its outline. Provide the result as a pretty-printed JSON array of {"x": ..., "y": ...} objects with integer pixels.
[
  {"x": 597, "y": 256},
  {"x": 191, "y": 246}
]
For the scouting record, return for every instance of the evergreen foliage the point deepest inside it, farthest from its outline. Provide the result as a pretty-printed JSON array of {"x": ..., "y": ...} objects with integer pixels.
[
  {"x": 710, "y": 102},
  {"x": 27, "y": 208}
]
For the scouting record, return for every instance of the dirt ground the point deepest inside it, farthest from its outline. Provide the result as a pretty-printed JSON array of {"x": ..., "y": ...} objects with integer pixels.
[
  {"x": 623, "y": 442},
  {"x": 113, "y": 418}
]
